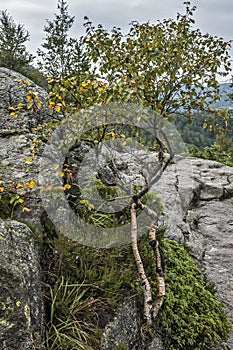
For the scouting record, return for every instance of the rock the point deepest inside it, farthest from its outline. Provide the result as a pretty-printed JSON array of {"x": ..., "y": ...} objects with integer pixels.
[
  {"x": 124, "y": 330},
  {"x": 21, "y": 305},
  {"x": 198, "y": 203},
  {"x": 16, "y": 139},
  {"x": 14, "y": 88}
]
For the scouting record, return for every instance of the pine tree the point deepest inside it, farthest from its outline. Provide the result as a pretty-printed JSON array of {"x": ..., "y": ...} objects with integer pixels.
[
  {"x": 61, "y": 56},
  {"x": 13, "y": 52}
]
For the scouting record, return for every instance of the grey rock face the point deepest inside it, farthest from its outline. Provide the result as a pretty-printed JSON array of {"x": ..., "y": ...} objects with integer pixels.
[
  {"x": 198, "y": 200},
  {"x": 124, "y": 330},
  {"x": 16, "y": 137},
  {"x": 14, "y": 88},
  {"x": 21, "y": 307}
]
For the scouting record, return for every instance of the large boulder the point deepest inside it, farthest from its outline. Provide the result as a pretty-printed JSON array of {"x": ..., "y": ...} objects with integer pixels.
[
  {"x": 21, "y": 304},
  {"x": 124, "y": 329},
  {"x": 15, "y": 92},
  {"x": 197, "y": 195},
  {"x": 20, "y": 142}
]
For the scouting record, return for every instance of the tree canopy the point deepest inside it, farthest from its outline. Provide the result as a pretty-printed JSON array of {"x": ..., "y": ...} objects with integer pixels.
[{"x": 166, "y": 66}]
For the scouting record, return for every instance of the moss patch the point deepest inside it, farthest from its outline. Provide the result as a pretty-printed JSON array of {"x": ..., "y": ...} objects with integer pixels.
[{"x": 191, "y": 318}]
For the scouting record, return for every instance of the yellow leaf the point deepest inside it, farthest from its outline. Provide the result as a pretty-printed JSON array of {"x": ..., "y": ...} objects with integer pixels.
[
  {"x": 30, "y": 183},
  {"x": 26, "y": 209},
  {"x": 21, "y": 200},
  {"x": 51, "y": 104},
  {"x": 20, "y": 186},
  {"x": 39, "y": 104},
  {"x": 1, "y": 189},
  {"x": 82, "y": 201},
  {"x": 90, "y": 206},
  {"x": 13, "y": 114},
  {"x": 111, "y": 133},
  {"x": 29, "y": 105},
  {"x": 55, "y": 166},
  {"x": 67, "y": 186},
  {"x": 58, "y": 108}
]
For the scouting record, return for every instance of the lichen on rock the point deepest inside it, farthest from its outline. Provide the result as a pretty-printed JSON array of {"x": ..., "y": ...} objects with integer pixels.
[{"x": 21, "y": 305}]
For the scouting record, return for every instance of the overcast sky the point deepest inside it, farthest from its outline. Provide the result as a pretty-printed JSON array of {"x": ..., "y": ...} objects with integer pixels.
[{"x": 212, "y": 16}]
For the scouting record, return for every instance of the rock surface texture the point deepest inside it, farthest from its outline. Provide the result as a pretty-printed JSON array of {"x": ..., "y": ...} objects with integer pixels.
[
  {"x": 21, "y": 305},
  {"x": 198, "y": 199},
  {"x": 17, "y": 133},
  {"x": 124, "y": 329}
]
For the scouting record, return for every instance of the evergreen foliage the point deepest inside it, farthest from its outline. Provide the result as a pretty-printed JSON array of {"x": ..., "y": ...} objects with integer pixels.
[
  {"x": 61, "y": 56},
  {"x": 13, "y": 52}
]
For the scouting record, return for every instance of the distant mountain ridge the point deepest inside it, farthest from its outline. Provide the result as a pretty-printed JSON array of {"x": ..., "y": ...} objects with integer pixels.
[{"x": 224, "y": 102}]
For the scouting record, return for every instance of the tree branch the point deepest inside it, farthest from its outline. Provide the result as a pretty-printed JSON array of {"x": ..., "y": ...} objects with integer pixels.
[
  {"x": 145, "y": 283},
  {"x": 161, "y": 291}
]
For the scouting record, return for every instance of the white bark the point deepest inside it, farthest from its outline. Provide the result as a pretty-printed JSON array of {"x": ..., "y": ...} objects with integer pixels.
[{"x": 145, "y": 283}]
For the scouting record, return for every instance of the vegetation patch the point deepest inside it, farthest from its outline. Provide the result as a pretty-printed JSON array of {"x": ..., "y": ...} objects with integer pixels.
[
  {"x": 83, "y": 287},
  {"x": 192, "y": 317}
]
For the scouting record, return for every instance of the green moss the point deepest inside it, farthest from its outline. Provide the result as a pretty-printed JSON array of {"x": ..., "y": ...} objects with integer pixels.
[
  {"x": 192, "y": 317},
  {"x": 121, "y": 346}
]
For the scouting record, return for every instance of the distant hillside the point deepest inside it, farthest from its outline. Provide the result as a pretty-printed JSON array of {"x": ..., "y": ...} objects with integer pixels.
[{"x": 224, "y": 102}]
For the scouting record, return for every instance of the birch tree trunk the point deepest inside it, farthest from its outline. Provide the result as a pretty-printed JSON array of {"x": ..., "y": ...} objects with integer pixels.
[{"x": 145, "y": 283}]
